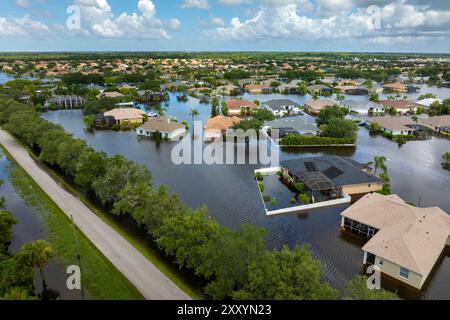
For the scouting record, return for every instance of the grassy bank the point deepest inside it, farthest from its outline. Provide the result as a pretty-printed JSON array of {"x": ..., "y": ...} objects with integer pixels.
[
  {"x": 100, "y": 279},
  {"x": 135, "y": 240}
]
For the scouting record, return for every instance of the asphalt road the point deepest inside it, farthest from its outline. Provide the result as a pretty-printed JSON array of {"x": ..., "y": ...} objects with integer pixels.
[{"x": 147, "y": 279}]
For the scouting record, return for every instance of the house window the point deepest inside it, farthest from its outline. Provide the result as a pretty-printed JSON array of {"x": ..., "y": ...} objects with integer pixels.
[
  {"x": 404, "y": 273},
  {"x": 381, "y": 262}
]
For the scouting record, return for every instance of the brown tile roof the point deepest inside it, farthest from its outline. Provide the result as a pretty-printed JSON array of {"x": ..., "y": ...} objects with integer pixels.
[
  {"x": 238, "y": 104},
  {"x": 161, "y": 124},
  {"x": 125, "y": 113},
  {"x": 438, "y": 121},
  {"x": 395, "y": 123},
  {"x": 256, "y": 87},
  {"x": 221, "y": 123},
  {"x": 318, "y": 105},
  {"x": 400, "y": 104}
]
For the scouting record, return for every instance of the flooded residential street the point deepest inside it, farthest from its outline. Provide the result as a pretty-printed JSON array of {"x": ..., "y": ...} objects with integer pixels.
[{"x": 232, "y": 197}]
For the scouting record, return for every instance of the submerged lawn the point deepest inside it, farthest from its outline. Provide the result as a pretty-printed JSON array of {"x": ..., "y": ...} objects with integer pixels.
[{"x": 100, "y": 279}]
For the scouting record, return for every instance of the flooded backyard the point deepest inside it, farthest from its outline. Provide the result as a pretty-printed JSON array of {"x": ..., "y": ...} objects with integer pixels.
[{"x": 233, "y": 198}]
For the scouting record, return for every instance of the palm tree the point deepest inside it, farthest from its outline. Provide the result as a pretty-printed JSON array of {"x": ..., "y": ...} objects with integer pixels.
[
  {"x": 39, "y": 253},
  {"x": 369, "y": 165},
  {"x": 315, "y": 95},
  {"x": 340, "y": 98},
  {"x": 380, "y": 163},
  {"x": 194, "y": 113},
  {"x": 302, "y": 89}
]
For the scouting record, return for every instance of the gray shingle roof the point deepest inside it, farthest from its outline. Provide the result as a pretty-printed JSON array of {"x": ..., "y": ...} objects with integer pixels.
[
  {"x": 345, "y": 172},
  {"x": 280, "y": 104}
]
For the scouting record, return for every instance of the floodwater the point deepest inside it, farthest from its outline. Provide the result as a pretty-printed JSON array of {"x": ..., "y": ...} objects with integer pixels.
[
  {"x": 30, "y": 227},
  {"x": 232, "y": 196}
]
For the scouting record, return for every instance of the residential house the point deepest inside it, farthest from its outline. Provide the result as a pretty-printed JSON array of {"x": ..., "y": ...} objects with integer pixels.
[
  {"x": 295, "y": 126},
  {"x": 112, "y": 95},
  {"x": 395, "y": 125},
  {"x": 314, "y": 107},
  {"x": 288, "y": 88},
  {"x": 218, "y": 126},
  {"x": 163, "y": 128},
  {"x": 228, "y": 90},
  {"x": 282, "y": 107},
  {"x": 244, "y": 82},
  {"x": 331, "y": 176},
  {"x": 395, "y": 87},
  {"x": 353, "y": 90},
  {"x": 238, "y": 107},
  {"x": 401, "y": 106},
  {"x": 438, "y": 123},
  {"x": 258, "y": 89},
  {"x": 102, "y": 121},
  {"x": 320, "y": 88},
  {"x": 405, "y": 243},
  {"x": 66, "y": 102},
  {"x": 364, "y": 107},
  {"x": 126, "y": 115},
  {"x": 426, "y": 103}
]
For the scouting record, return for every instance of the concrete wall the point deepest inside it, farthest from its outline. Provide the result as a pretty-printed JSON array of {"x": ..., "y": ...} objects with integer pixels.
[
  {"x": 132, "y": 121},
  {"x": 362, "y": 188},
  {"x": 175, "y": 135},
  {"x": 234, "y": 112},
  {"x": 393, "y": 270}
]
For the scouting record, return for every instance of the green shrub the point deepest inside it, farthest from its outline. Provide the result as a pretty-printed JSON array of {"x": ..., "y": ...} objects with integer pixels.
[
  {"x": 293, "y": 200},
  {"x": 266, "y": 198},
  {"x": 262, "y": 187},
  {"x": 273, "y": 201},
  {"x": 295, "y": 140},
  {"x": 259, "y": 176},
  {"x": 304, "y": 198},
  {"x": 300, "y": 186}
]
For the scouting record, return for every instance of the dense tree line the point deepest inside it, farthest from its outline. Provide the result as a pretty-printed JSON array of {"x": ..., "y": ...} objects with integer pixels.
[
  {"x": 230, "y": 261},
  {"x": 439, "y": 109},
  {"x": 375, "y": 75},
  {"x": 82, "y": 79}
]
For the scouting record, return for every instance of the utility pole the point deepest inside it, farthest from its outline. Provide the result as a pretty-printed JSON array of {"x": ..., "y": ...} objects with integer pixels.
[{"x": 78, "y": 254}]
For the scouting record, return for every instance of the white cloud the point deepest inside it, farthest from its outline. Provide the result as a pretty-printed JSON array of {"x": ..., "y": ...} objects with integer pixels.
[
  {"x": 199, "y": 4},
  {"x": 231, "y": 2},
  {"x": 98, "y": 20},
  {"x": 147, "y": 8},
  {"x": 217, "y": 21},
  {"x": 24, "y": 26},
  {"x": 22, "y": 3},
  {"x": 346, "y": 21},
  {"x": 174, "y": 24}
]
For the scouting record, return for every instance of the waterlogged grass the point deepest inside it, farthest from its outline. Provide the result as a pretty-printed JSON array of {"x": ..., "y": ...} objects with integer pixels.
[{"x": 100, "y": 279}]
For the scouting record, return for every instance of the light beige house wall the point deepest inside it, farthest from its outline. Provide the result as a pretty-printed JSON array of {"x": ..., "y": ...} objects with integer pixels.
[
  {"x": 362, "y": 188},
  {"x": 132, "y": 121},
  {"x": 393, "y": 270},
  {"x": 234, "y": 112}
]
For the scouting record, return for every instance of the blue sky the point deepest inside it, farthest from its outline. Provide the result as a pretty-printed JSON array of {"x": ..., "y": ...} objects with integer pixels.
[{"x": 226, "y": 25}]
